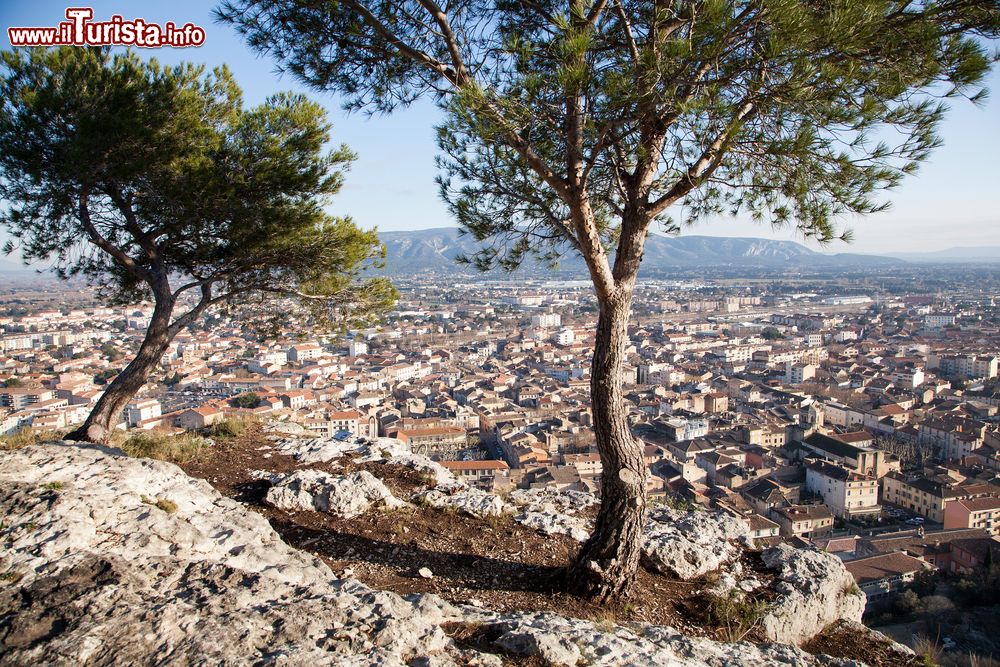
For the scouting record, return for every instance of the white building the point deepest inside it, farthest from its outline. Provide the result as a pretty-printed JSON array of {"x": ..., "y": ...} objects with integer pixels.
[
  {"x": 799, "y": 373},
  {"x": 546, "y": 320},
  {"x": 139, "y": 411},
  {"x": 939, "y": 320},
  {"x": 357, "y": 348},
  {"x": 845, "y": 492},
  {"x": 908, "y": 378},
  {"x": 564, "y": 336},
  {"x": 304, "y": 352}
]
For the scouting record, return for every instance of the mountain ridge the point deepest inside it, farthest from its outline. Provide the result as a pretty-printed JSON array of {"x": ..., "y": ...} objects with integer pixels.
[{"x": 436, "y": 249}]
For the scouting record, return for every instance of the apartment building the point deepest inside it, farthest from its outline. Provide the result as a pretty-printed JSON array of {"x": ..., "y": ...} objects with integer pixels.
[
  {"x": 930, "y": 496},
  {"x": 983, "y": 513},
  {"x": 854, "y": 455},
  {"x": 806, "y": 521},
  {"x": 847, "y": 493},
  {"x": 20, "y": 398}
]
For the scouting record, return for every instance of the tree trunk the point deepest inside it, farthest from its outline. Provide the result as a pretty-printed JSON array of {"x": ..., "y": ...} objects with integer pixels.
[
  {"x": 105, "y": 415},
  {"x": 607, "y": 564}
]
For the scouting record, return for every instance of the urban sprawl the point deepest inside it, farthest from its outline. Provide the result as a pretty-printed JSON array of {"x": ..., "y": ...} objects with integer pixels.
[{"x": 845, "y": 416}]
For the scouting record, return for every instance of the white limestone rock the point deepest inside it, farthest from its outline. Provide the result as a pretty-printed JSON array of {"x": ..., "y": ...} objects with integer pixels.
[
  {"x": 567, "y": 641},
  {"x": 363, "y": 450},
  {"x": 439, "y": 474},
  {"x": 315, "y": 450},
  {"x": 551, "y": 501},
  {"x": 100, "y": 577},
  {"x": 107, "y": 579},
  {"x": 689, "y": 544},
  {"x": 554, "y": 523},
  {"x": 554, "y": 649},
  {"x": 344, "y": 496},
  {"x": 552, "y": 512},
  {"x": 286, "y": 428},
  {"x": 815, "y": 590},
  {"x": 464, "y": 499}
]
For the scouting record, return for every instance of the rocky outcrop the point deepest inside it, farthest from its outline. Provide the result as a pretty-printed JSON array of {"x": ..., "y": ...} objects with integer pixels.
[
  {"x": 552, "y": 512},
  {"x": 569, "y": 642},
  {"x": 689, "y": 544},
  {"x": 113, "y": 560},
  {"x": 343, "y": 496},
  {"x": 461, "y": 498},
  {"x": 815, "y": 590},
  {"x": 363, "y": 450},
  {"x": 109, "y": 560}
]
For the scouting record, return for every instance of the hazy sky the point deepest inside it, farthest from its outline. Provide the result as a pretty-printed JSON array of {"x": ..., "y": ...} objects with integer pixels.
[{"x": 954, "y": 200}]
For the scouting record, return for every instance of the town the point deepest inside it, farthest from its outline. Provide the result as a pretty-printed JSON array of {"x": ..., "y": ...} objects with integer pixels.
[{"x": 856, "y": 416}]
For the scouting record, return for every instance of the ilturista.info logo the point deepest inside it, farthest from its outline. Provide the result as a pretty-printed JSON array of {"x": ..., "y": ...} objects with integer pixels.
[{"x": 81, "y": 30}]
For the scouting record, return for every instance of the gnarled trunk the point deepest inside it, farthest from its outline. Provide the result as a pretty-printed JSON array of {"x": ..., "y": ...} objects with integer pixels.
[
  {"x": 607, "y": 564},
  {"x": 105, "y": 415}
]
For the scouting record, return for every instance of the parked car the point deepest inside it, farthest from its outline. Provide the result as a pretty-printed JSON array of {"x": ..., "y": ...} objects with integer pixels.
[{"x": 915, "y": 521}]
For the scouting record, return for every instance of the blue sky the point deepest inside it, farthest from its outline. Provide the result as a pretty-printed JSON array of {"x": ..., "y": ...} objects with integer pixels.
[{"x": 954, "y": 200}]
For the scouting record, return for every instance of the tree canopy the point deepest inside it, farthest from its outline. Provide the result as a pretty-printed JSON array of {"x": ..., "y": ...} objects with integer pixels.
[
  {"x": 793, "y": 111},
  {"x": 156, "y": 183},
  {"x": 577, "y": 126},
  {"x": 153, "y": 181}
]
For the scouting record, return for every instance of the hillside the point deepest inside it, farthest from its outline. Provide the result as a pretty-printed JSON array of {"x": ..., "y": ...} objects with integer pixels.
[
  {"x": 435, "y": 250},
  {"x": 294, "y": 550}
]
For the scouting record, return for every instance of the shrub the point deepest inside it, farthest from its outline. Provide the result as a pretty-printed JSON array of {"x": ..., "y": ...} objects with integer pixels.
[
  {"x": 231, "y": 427},
  {"x": 928, "y": 650},
  {"x": 246, "y": 400},
  {"x": 164, "y": 504},
  {"x": 165, "y": 447},
  {"x": 11, "y": 576},
  {"x": 675, "y": 503},
  {"x": 735, "y": 614},
  {"x": 28, "y": 436}
]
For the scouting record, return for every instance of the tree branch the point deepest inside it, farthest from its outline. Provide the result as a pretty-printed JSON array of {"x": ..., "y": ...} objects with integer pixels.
[
  {"x": 123, "y": 258},
  {"x": 707, "y": 162}
]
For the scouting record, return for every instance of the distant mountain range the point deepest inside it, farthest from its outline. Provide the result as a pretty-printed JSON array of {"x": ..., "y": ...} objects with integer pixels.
[{"x": 435, "y": 250}]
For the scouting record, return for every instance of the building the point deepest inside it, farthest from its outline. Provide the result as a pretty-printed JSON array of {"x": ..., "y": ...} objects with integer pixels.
[
  {"x": 977, "y": 553},
  {"x": 440, "y": 443},
  {"x": 855, "y": 455},
  {"x": 807, "y": 521},
  {"x": 564, "y": 337},
  {"x": 966, "y": 365},
  {"x": 939, "y": 320},
  {"x": 981, "y": 513},
  {"x": 196, "y": 418},
  {"x": 304, "y": 352},
  {"x": 798, "y": 373},
  {"x": 20, "y": 398},
  {"x": 546, "y": 320},
  {"x": 679, "y": 429},
  {"x": 485, "y": 474},
  {"x": 930, "y": 496},
  {"x": 357, "y": 347},
  {"x": 139, "y": 411},
  {"x": 883, "y": 576},
  {"x": 761, "y": 528},
  {"x": 847, "y": 493}
]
